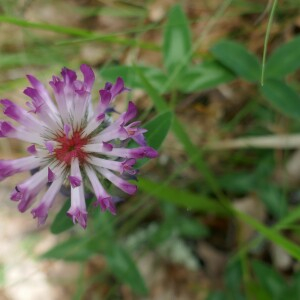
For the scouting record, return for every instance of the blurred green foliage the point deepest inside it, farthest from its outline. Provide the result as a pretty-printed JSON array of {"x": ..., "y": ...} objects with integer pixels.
[{"x": 227, "y": 61}]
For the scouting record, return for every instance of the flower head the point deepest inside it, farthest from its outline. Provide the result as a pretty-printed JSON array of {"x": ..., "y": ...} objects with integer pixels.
[{"x": 72, "y": 144}]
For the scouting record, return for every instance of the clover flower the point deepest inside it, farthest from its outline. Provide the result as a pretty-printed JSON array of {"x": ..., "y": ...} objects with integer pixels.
[{"x": 72, "y": 144}]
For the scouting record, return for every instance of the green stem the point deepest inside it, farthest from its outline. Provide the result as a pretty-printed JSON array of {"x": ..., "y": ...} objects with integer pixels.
[{"x": 267, "y": 40}]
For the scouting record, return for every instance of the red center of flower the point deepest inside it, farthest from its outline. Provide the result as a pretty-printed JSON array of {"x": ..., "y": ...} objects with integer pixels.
[{"x": 70, "y": 148}]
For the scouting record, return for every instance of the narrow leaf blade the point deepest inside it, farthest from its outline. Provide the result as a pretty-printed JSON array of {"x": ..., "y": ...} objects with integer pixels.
[
  {"x": 181, "y": 197},
  {"x": 271, "y": 234}
]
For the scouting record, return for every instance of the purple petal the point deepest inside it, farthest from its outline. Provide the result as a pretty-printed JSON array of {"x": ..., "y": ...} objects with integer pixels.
[
  {"x": 57, "y": 84},
  {"x": 67, "y": 129},
  {"x": 128, "y": 188},
  {"x": 107, "y": 146},
  {"x": 51, "y": 175},
  {"x": 34, "y": 82},
  {"x": 50, "y": 146},
  {"x": 127, "y": 166},
  {"x": 108, "y": 86},
  {"x": 100, "y": 117},
  {"x": 106, "y": 203},
  {"x": 150, "y": 152},
  {"x": 79, "y": 86},
  {"x": 15, "y": 195},
  {"x": 140, "y": 139},
  {"x": 26, "y": 200},
  {"x": 131, "y": 112},
  {"x": 32, "y": 108},
  {"x": 10, "y": 109},
  {"x": 79, "y": 216},
  {"x": 89, "y": 76},
  {"x": 6, "y": 169},
  {"x": 144, "y": 152},
  {"x": 6, "y": 128},
  {"x": 105, "y": 97},
  {"x": 37, "y": 101},
  {"x": 11, "y": 167},
  {"x": 31, "y": 149},
  {"x": 68, "y": 75},
  {"x": 40, "y": 212},
  {"x": 34, "y": 95},
  {"x": 118, "y": 87},
  {"x": 74, "y": 181}
]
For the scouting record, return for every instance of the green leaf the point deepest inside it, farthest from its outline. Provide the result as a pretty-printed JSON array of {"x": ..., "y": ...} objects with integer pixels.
[
  {"x": 158, "y": 129},
  {"x": 271, "y": 234},
  {"x": 162, "y": 233},
  {"x": 177, "y": 39},
  {"x": 130, "y": 74},
  {"x": 233, "y": 275},
  {"x": 192, "y": 151},
  {"x": 181, "y": 197},
  {"x": 216, "y": 295},
  {"x": 238, "y": 59},
  {"x": 257, "y": 292},
  {"x": 274, "y": 200},
  {"x": 124, "y": 268},
  {"x": 191, "y": 228},
  {"x": 180, "y": 224},
  {"x": 290, "y": 218},
  {"x": 293, "y": 292},
  {"x": 74, "y": 249},
  {"x": 244, "y": 182},
  {"x": 282, "y": 97},
  {"x": 237, "y": 182},
  {"x": 158, "y": 101},
  {"x": 284, "y": 60},
  {"x": 61, "y": 221},
  {"x": 204, "y": 76},
  {"x": 270, "y": 280}
]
